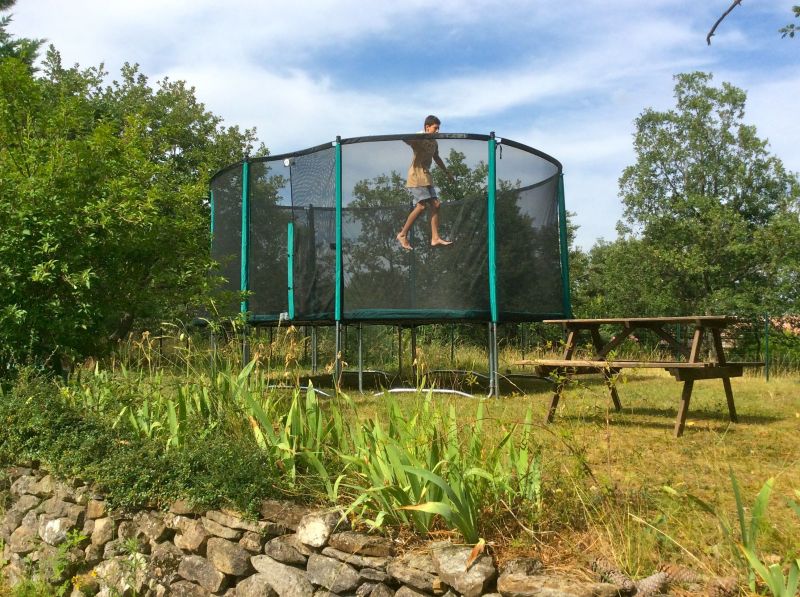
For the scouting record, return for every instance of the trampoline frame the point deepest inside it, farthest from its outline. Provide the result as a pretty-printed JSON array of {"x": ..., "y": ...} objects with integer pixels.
[{"x": 339, "y": 320}]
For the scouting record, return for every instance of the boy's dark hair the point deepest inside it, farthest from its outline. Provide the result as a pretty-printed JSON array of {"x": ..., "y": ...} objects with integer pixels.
[{"x": 431, "y": 119}]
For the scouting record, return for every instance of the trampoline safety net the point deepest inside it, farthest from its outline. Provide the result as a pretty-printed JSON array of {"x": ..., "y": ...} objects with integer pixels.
[{"x": 508, "y": 233}]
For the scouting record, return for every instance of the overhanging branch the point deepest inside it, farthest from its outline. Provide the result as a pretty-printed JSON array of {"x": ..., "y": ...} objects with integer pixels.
[{"x": 722, "y": 18}]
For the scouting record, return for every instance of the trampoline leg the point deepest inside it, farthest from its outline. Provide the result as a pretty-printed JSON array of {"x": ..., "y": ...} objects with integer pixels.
[
  {"x": 414, "y": 354},
  {"x": 400, "y": 352},
  {"x": 213, "y": 340},
  {"x": 452, "y": 345},
  {"x": 494, "y": 390},
  {"x": 305, "y": 344},
  {"x": 496, "y": 364},
  {"x": 360, "y": 362},
  {"x": 245, "y": 347},
  {"x": 338, "y": 358},
  {"x": 313, "y": 350}
]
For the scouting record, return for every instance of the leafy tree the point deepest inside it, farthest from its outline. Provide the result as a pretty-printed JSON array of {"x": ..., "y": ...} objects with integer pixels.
[
  {"x": 710, "y": 217},
  {"x": 791, "y": 28},
  {"x": 104, "y": 218},
  {"x": 22, "y": 48}
]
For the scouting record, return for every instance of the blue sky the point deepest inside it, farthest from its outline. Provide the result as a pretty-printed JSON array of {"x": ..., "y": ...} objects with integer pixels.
[{"x": 568, "y": 78}]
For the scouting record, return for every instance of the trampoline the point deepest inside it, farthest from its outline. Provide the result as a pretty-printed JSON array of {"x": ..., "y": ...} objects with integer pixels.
[{"x": 308, "y": 237}]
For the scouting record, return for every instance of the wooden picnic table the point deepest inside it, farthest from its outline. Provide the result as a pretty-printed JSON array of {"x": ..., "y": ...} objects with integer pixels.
[{"x": 693, "y": 367}]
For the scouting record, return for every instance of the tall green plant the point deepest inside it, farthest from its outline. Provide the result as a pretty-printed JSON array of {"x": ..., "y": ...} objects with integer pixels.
[
  {"x": 301, "y": 439},
  {"x": 745, "y": 547},
  {"x": 772, "y": 575},
  {"x": 459, "y": 504},
  {"x": 380, "y": 462}
]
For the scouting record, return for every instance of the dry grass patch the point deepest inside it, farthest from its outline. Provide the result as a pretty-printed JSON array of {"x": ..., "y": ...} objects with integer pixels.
[{"x": 617, "y": 484}]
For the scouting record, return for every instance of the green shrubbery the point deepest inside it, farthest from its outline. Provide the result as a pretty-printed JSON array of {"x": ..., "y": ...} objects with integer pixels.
[
  {"x": 132, "y": 471},
  {"x": 229, "y": 438}
]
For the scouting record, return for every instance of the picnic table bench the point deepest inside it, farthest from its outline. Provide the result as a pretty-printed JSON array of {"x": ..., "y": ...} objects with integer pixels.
[{"x": 688, "y": 371}]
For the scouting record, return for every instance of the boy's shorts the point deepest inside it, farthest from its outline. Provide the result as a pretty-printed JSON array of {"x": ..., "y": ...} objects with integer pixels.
[{"x": 421, "y": 194}]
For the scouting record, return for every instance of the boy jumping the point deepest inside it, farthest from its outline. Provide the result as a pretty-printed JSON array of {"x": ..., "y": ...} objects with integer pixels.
[{"x": 420, "y": 184}]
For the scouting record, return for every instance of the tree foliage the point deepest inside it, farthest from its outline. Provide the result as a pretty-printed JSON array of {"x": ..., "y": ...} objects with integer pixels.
[
  {"x": 791, "y": 28},
  {"x": 10, "y": 47},
  {"x": 104, "y": 216},
  {"x": 710, "y": 216}
]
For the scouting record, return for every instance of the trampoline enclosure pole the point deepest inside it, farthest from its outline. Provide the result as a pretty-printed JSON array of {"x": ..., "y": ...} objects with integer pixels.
[
  {"x": 244, "y": 279},
  {"x": 290, "y": 268},
  {"x": 338, "y": 167},
  {"x": 491, "y": 239},
  {"x": 338, "y": 292},
  {"x": 492, "y": 197},
  {"x": 211, "y": 237}
]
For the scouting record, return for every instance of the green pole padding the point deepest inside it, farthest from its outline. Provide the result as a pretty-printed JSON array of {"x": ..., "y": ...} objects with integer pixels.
[
  {"x": 338, "y": 146},
  {"x": 244, "y": 277},
  {"x": 492, "y": 189},
  {"x": 290, "y": 267},
  {"x": 564, "y": 243}
]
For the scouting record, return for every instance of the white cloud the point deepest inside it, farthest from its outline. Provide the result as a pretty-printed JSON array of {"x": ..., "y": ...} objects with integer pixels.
[
  {"x": 567, "y": 78},
  {"x": 772, "y": 108}
]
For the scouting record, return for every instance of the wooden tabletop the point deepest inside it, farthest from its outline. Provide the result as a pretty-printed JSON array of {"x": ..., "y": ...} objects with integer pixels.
[{"x": 702, "y": 320}]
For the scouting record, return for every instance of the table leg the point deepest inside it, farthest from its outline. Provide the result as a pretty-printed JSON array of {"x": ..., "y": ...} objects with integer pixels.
[
  {"x": 612, "y": 386},
  {"x": 697, "y": 343},
  {"x": 551, "y": 410},
  {"x": 601, "y": 352},
  {"x": 726, "y": 382},
  {"x": 683, "y": 410},
  {"x": 569, "y": 347}
]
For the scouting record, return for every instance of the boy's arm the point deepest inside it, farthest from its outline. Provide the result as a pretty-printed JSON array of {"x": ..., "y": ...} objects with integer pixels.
[{"x": 440, "y": 163}]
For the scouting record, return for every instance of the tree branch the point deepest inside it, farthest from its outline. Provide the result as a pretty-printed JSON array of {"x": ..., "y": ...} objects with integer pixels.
[{"x": 719, "y": 20}]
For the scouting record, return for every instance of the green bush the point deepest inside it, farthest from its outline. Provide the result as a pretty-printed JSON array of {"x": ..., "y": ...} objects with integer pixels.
[{"x": 131, "y": 471}]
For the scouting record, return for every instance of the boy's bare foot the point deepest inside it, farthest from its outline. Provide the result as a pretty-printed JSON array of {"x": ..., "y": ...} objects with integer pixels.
[
  {"x": 403, "y": 240},
  {"x": 440, "y": 242}
]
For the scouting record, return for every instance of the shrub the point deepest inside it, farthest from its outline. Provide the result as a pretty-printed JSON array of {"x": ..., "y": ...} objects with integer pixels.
[{"x": 131, "y": 471}]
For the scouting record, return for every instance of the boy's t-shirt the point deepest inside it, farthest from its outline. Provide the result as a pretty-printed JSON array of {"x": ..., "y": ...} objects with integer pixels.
[{"x": 419, "y": 173}]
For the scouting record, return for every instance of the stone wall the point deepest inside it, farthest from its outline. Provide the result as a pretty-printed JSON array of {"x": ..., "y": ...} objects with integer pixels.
[{"x": 66, "y": 534}]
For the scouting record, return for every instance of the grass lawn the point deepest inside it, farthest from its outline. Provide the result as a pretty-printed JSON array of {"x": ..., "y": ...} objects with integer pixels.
[
  {"x": 616, "y": 485},
  {"x": 623, "y": 478}
]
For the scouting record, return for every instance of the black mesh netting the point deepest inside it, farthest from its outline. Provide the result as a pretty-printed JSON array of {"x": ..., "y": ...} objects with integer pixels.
[
  {"x": 268, "y": 234},
  {"x": 383, "y": 281},
  {"x": 527, "y": 248},
  {"x": 313, "y": 184},
  {"x": 226, "y": 247},
  {"x": 380, "y": 280}
]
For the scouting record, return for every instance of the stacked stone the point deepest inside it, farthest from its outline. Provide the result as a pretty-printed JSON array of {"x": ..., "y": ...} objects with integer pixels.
[{"x": 66, "y": 533}]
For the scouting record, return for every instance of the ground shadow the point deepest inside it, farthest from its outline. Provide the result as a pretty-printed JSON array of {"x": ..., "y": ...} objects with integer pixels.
[{"x": 630, "y": 416}]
